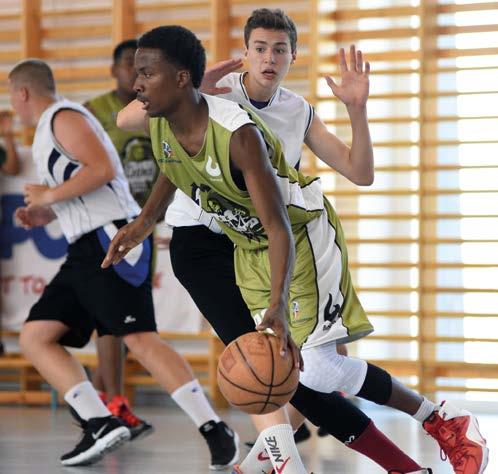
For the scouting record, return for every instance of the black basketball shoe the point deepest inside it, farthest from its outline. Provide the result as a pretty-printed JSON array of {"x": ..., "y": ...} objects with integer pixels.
[
  {"x": 100, "y": 436},
  {"x": 223, "y": 444}
]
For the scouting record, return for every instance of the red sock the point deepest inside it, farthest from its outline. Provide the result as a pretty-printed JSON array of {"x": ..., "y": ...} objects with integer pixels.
[{"x": 375, "y": 445}]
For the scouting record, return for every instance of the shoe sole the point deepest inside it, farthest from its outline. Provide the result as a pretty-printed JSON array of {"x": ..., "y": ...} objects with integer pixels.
[
  {"x": 475, "y": 435},
  {"x": 222, "y": 467},
  {"x": 110, "y": 442}
]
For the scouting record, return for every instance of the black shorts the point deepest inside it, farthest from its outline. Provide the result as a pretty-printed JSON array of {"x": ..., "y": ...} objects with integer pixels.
[
  {"x": 203, "y": 263},
  {"x": 83, "y": 296}
]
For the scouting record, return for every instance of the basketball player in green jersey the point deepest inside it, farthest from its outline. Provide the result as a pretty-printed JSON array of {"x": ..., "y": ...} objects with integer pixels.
[{"x": 221, "y": 159}]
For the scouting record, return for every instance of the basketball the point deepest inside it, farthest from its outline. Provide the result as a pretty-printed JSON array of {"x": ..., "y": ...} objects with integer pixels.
[{"x": 254, "y": 377}]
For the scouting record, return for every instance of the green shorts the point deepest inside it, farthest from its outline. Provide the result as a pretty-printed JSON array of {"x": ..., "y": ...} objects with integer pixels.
[{"x": 323, "y": 305}]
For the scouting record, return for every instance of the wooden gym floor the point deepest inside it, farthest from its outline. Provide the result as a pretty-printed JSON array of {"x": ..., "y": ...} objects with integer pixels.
[{"x": 32, "y": 439}]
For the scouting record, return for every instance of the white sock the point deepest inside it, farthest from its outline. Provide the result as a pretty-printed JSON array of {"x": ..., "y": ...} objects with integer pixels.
[
  {"x": 191, "y": 399},
  {"x": 86, "y": 401},
  {"x": 425, "y": 410},
  {"x": 280, "y": 446},
  {"x": 257, "y": 461}
]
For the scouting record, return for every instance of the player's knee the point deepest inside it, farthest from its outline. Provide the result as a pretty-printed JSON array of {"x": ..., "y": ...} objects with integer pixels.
[
  {"x": 33, "y": 336},
  {"x": 138, "y": 343}
]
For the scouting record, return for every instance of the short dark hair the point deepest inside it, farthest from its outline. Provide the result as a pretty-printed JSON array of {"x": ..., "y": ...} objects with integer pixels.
[
  {"x": 271, "y": 20},
  {"x": 34, "y": 73},
  {"x": 121, "y": 47},
  {"x": 180, "y": 47}
]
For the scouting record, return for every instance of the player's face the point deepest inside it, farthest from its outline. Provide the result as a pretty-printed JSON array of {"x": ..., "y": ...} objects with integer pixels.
[
  {"x": 124, "y": 71},
  {"x": 156, "y": 84},
  {"x": 18, "y": 96},
  {"x": 269, "y": 56}
]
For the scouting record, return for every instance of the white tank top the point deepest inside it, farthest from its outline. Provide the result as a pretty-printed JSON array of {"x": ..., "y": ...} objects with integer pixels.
[
  {"x": 54, "y": 165},
  {"x": 287, "y": 114}
]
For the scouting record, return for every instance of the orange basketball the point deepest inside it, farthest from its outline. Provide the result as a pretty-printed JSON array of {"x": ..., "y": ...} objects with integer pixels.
[{"x": 254, "y": 377}]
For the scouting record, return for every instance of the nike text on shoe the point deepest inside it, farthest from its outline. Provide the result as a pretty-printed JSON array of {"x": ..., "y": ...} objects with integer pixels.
[
  {"x": 457, "y": 433},
  {"x": 100, "y": 436},
  {"x": 120, "y": 407},
  {"x": 223, "y": 444}
]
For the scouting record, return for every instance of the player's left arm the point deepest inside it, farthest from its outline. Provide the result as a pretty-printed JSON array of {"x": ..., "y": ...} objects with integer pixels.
[
  {"x": 77, "y": 137},
  {"x": 355, "y": 162},
  {"x": 248, "y": 153}
]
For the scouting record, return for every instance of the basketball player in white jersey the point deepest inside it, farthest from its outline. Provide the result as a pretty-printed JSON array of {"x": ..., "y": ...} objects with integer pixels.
[{"x": 84, "y": 187}]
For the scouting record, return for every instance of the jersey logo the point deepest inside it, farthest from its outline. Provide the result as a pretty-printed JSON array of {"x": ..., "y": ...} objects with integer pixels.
[
  {"x": 212, "y": 169},
  {"x": 166, "y": 149},
  {"x": 331, "y": 316}
]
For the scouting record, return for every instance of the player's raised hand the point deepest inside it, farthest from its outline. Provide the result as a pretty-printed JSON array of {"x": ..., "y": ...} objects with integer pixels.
[
  {"x": 354, "y": 87},
  {"x": 215, "y": 73},
  {"x": 128, "y": 237}
]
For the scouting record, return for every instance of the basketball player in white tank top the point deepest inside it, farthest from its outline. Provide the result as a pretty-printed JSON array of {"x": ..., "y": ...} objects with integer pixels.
[{"x": 84, "y": 187}]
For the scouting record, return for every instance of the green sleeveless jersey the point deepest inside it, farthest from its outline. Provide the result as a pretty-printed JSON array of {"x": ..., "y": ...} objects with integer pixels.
[
  {"x": 207, "y": 178},
  {"x": 134, "y": 148}
]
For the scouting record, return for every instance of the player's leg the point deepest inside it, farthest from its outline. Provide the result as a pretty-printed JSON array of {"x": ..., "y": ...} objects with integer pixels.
[
  {"x": 55, "y": 320},
  {"x": 196, "y": 255},
  {"x": 340, "y": 316},
  {"x": 108, "y": 379},
  {"x": 123, "y": 307},
  {"x": 108, "y": 376}
]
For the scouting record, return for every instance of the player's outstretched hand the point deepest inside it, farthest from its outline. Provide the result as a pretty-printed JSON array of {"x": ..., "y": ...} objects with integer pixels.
[
  {"x": 275, "y": 319},
  {"x": 354, "y": 87},
  {"x": 215, "y": 73},
  {"x": 128, "y": 237}
]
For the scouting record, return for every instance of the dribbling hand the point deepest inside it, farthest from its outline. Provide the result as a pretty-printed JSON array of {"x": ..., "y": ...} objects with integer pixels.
[{"x": 276, "y": 320}]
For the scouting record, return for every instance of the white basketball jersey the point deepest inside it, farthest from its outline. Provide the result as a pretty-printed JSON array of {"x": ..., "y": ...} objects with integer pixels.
[
  {"x": 81, "y": 214},
  {"x": 287, "y": 114}
]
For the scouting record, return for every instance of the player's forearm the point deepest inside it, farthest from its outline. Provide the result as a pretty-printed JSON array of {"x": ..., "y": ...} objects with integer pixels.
[
  {"x": 132, "y": 118},
  {"x": 159, "y": 199},
  {"x": 12, "y": 164},
  {"x": 282, "y": 258},
  {"x": 86, "y": 180},
  {"x": 361, "y": 152}
]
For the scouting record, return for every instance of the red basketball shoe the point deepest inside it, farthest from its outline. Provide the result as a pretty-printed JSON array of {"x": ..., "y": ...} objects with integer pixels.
[{"x": 457, "y": 433}]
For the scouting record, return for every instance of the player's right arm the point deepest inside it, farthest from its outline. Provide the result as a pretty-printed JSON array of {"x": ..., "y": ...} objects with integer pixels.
[
  {"x": 138, "y": 230},
  {"x": 248, "y": 153},
  {"x": 133, "y": 118}
]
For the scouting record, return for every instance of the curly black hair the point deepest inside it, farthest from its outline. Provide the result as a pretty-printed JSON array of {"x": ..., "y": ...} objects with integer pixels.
[{"x": 180, "y": 47}]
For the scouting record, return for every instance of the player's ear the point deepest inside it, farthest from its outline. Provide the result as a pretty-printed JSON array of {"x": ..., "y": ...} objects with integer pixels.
[
  {"x": 294, "y": 55},
  {"x": 183, "y": 78}
]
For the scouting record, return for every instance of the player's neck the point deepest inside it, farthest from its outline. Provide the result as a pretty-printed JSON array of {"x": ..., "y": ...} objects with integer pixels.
[
  {"x": 125, "y": 97},
  {"x": 256, "y": 91},
  {"x": 41, "y": 104},
  {"x": 190, "y": 133}
]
